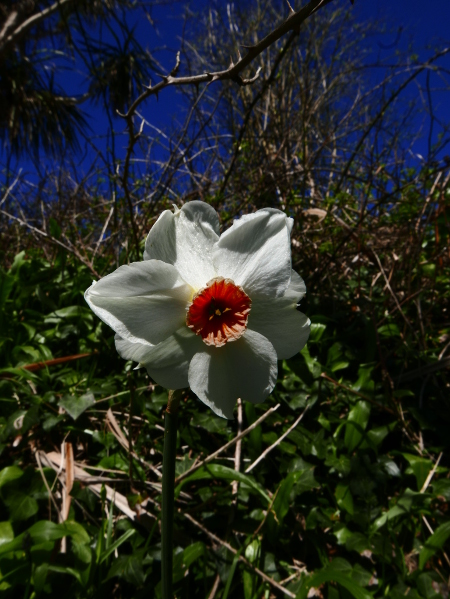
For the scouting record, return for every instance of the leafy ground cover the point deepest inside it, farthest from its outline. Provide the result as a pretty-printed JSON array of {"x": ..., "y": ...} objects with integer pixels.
[
  {"x": 340, "y": 491},
  {"x": 338, "y": 486}
]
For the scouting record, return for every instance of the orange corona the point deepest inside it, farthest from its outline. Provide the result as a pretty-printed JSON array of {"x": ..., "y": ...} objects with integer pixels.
[{"x": 219, "y": 312}]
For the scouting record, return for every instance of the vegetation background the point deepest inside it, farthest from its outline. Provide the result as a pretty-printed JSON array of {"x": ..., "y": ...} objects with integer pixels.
[{"x": 342, "y": 488}]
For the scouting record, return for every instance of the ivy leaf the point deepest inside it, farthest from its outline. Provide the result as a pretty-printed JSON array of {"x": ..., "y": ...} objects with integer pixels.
[
  {"x": 75, "y": 406},
  {"x": 434, "y": 543},
  {"x": 420, "y": 467},
  {"x": 356, "y": 424}
]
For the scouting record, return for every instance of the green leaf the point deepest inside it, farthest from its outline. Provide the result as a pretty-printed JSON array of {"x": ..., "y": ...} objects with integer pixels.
[
  {"x": 281, "y": 503},
  {"x": 402, "y": 508},
  {"x": 126, "y": 535},
  {"x": 66, "y": 570},
  {"x": 425, "y": 585},
  {"x": 54, "y": 228},
  {"x": 225, "y": 473},
  {"x": 253, "y": 550},
  {"x": 6, "y": 532},
  {"x": 40, "y": 577},
  {"x": 75, "y": 406},
  {"x": 183, "y": 560},
  {"x": 45, "y": 531},
  {"x": 389, "y": 466},
  {"x": 317, "y": 330},
  {"x": 357, "y": 542},
  {"x": 6, "y": 285},
  {"x": 313, "y": 365},
  {"x": 365, "y": 378},
  {"x": 82, "y": 551},
  {"x": 342, "y": 534},
  {"x": 183, "y": 465},
  {"x": 19, "y": 260},
  {"x": 434, "y": 543},
  {"x": 333, "y": 574},
  {"x": 9, "y": 474},
  {"x": 336, "y": 358},
  {"x": 305, "y": 481},
  {"x": 442, "y": 487},
  {"x": 231, "y": 573},
  {"x": 356, "y": 424},
  {"x": 21, "y": 505},
  {"x": 70, "y": 312},
  {"x": 389, "y": 330},
  {"x": 209, "y": 422},
  {"x": 128, "y": 567},
  {"x": 376, "y": 436},
  {"x": 76, "y": 531},
  {"x": 192, "y": 553},
  {"x": 344, "y": 498},
  {"x": 429, "y": 270},
  {"x": 420, "y": 466}
]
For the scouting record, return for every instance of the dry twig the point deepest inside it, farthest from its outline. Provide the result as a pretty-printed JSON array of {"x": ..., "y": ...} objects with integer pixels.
[
  {"x": 277, "y": 442},
  {"x": 226, "y": 446},
  {"x": 241, "y": 558}
]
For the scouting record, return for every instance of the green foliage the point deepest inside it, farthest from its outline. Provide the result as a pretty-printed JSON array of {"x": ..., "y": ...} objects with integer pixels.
[{"x": 350, "y": 504}]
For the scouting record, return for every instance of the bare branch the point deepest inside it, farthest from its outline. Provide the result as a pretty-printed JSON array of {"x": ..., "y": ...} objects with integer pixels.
[
  {"x": 277, "y": 442},
  {"x": 241, "y": 558},
  {"x": 226, "y": 446},
  {"x": 68, "y": 248},
  {"x": 7, "y": 38},
  {"x": 292, "y": 23}
]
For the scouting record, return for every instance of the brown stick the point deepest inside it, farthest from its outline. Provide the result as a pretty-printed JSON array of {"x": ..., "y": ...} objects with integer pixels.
[
  {"x": 241, "y": 558},
  {"x": 40, "y": 365},
  {"x": 226, "y": 446}
]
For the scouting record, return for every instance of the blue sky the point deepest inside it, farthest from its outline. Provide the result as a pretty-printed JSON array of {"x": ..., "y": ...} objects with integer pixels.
[
  {"x": 422, "y": 27},
  {"x": 407, "y": 22}
]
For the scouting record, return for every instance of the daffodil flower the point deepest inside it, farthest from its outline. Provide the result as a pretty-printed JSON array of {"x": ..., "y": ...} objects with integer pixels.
[{"x": 207, "y": 311}]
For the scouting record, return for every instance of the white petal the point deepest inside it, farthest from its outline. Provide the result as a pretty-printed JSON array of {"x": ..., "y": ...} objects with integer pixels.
[
  {"x": 279, "y": 320},
  {"x": 296, "y": 290},
  {"x": 143, "y": 302},
  {"x": 185, "y": 239},
  {"x": 286, "y": 328},
  {"x": 255, "y": 252},
  {"x": 246, "y": 368},
  {"x": 137, "y": 352},
  {"x": 168, "y": 362}
]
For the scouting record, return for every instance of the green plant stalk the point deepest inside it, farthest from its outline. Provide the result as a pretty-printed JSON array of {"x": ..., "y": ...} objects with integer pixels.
[{"x": 168, "y": 487}]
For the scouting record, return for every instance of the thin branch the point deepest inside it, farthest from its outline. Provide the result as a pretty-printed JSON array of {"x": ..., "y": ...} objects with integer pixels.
[
  {"x": 391, "y": 291},
  {"x": 431, "y": 474},
  {"x": 383, "y": 109},
  {"x": 71, "y": 250},
  {"x": 115, "y": 429},
  {"x": 350, "y": 390},
  {"x": 227, "y": 445},
  {"x": 292, "y": 23},
  {"x": 26, "y": 25},
  {"x": 10, "y": 188},
  {"x": 277, "y": 442},
  {"x": 237, "y": 452},
  {"x": 241, "y": 558}
]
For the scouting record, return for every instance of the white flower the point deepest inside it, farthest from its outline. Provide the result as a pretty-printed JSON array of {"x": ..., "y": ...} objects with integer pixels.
[{"x": 207, "y": 312}]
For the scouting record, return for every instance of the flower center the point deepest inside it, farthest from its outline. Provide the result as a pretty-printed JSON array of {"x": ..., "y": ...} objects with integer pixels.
[{"x": 219, "y": 312}]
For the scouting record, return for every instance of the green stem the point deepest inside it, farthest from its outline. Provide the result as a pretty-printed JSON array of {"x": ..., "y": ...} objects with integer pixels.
[{"x": 168, "y": 487}]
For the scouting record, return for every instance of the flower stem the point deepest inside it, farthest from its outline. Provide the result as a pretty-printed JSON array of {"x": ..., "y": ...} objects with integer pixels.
[{"x": 168, "y": 487}]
